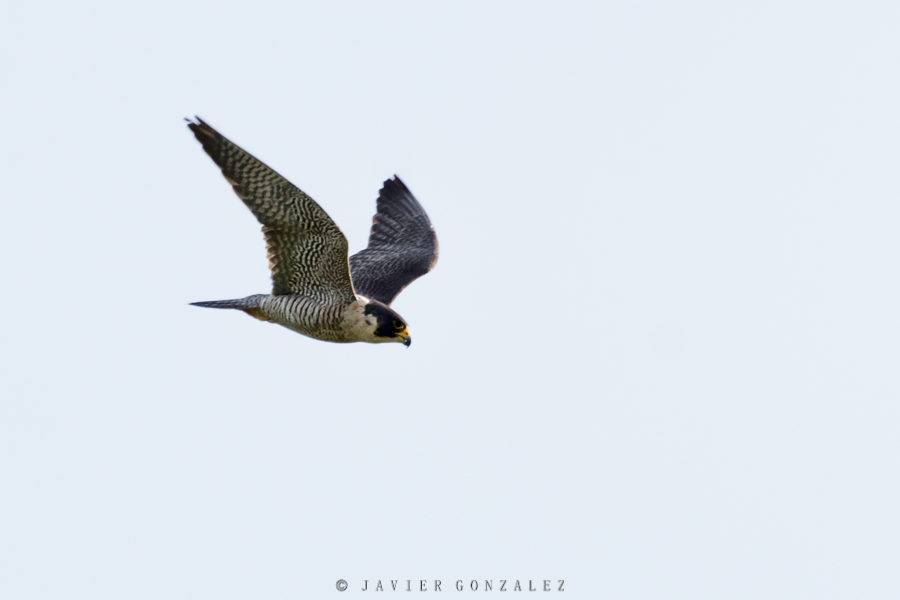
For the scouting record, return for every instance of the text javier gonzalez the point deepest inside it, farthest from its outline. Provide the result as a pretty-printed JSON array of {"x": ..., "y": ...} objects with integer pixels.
[{"x": 436, "y": 585}]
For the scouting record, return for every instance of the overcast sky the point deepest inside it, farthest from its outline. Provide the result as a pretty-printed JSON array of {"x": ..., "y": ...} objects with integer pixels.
[{"x": 658, "y": 357}]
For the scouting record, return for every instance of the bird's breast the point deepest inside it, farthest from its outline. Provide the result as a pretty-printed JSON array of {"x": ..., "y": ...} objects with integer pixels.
[{"x": 308, "y": 316}]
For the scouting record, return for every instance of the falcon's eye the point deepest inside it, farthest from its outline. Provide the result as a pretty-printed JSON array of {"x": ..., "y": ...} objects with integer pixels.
[{"x": 398, "y": 325}]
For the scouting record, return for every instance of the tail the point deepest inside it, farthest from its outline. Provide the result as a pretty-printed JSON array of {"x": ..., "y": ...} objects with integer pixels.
[{"x": 249, "y": 305}]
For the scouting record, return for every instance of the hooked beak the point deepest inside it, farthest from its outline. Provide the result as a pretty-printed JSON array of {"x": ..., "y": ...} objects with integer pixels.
[{"x": 407, "y": 341}]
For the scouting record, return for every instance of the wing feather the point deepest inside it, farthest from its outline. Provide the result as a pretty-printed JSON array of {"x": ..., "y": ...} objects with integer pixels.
[
  {"x": 402, "y": 245},
  {"x": 307, "y": 251}
]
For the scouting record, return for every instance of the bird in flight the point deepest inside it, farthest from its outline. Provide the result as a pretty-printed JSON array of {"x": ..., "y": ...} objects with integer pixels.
[{"x": 316, "y": 289}]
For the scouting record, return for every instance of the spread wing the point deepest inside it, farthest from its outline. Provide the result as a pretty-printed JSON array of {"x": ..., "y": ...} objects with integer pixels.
[
  {"x": 402, "y": 245},
  {"x": 307, "y": 251}
]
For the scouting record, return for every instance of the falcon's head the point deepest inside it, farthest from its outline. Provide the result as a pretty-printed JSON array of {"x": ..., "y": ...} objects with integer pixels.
[{"x": 385, "y": 325}]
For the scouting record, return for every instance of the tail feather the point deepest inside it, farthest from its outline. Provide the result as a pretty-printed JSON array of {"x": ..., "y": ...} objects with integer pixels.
[
  {"x": 249, "y": 305},
  {"x": 240, "y": 304}
]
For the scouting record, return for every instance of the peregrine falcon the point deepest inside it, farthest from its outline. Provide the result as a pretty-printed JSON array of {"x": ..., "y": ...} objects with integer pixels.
[{"x": 316, "y": 289}]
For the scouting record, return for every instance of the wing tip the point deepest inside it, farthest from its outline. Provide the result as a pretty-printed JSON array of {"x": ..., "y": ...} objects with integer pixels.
[
  {"x": 395, "y": 181},
  {"x": 394, "y": 197},
  {"x": 201, "y": 128}
]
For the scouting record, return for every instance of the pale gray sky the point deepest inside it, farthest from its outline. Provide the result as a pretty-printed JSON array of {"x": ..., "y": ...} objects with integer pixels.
[{"x": 657, "y": 359}]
